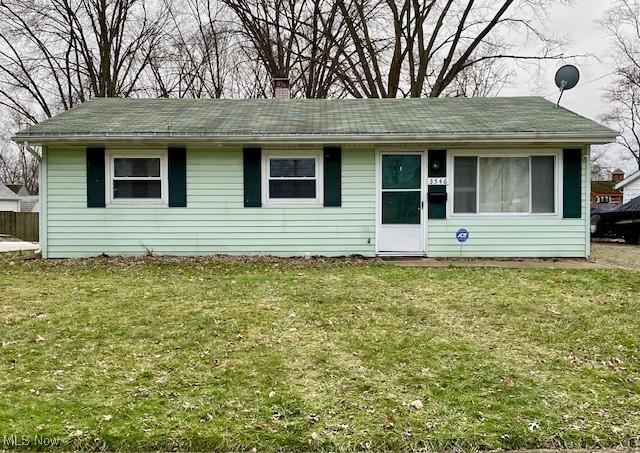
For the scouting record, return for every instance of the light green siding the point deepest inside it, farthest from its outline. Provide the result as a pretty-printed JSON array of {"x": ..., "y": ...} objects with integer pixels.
[
  {"x": 215, "y": 220},
  {"x": 518, "y": 236}
]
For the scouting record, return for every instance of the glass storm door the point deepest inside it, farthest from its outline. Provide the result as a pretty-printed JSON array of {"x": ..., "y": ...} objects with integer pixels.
[{"x": 400, "y": 229}]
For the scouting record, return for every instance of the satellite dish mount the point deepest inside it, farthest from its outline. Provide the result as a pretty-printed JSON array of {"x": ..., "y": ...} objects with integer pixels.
[{"x": 567, "y": 77}]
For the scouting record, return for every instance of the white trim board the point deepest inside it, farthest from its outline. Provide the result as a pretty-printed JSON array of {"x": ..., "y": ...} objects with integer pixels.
[
  {"x": 43, "y": 191},
  {"x": 161, "y": 154},
  {"x": 523, "y": 152},
  {"x": 318, "y": 155},
  {"x": 632, "y": 177}
]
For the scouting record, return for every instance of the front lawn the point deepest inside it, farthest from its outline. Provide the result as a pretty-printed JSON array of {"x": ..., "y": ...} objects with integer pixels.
[{"x": 268, "y": 354}]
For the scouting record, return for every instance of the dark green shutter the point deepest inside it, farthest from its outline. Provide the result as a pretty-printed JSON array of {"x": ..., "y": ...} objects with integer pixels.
[
  {"x": 437, "y": 195},
  {"x": 252, "y": 178},
  {"x": 177, "y": 177},
  {"x": 95, "y": 178},
  {"x": 332, "y": 176},
  {"x": 572, "y": 183}
]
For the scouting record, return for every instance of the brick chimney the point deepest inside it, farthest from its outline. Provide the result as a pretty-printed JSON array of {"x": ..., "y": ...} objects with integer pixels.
[
  {"x": 281, "y": 88},
  {"x": 617, "y": 175}
]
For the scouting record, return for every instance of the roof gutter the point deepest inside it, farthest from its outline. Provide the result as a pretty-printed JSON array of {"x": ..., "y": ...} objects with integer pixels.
[{"x": 599, "y": 138}]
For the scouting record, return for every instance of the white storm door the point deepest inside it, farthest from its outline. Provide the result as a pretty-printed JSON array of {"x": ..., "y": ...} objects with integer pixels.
[{"x": 400, "y": 219}]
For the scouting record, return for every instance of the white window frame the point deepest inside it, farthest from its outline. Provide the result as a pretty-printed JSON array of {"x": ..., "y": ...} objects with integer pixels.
[
  {"x": 111, "y": 155},
  {"x": 293, "y": 154},
  {"x": 557, "y": 154}
]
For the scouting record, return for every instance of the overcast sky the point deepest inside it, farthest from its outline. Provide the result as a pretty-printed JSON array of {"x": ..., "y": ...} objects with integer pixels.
[{"x": 579, "y": 25}]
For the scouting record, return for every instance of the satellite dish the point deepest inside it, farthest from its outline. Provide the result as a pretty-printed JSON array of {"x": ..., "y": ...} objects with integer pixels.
[{"x": 567, "y": 77}]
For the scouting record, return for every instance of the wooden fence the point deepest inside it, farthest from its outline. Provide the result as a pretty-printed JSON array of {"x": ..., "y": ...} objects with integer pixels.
[{"x": 21, "y": 225}]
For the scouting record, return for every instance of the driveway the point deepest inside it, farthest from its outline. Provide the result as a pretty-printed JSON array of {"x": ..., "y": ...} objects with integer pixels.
[
  {"x": 18, "y": 246},
  {"x": 616, "y": 254},
  {"x": 604, "y": 254}
]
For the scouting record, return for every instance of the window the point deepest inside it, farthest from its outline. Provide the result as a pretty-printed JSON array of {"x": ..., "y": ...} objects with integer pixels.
[
  {"x": 137, "y": 178},
  {"x": 504, "y": 184},
  {"x": 465, "y": 177},
  {"x": 401, "y": 188},
  {"x": 293, "y": 178},
  {"x": 543, "y": 183}
]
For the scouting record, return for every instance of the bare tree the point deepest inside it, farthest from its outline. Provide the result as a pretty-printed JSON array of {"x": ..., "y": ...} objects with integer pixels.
[
  {"x": 58, "y": 53},
  {"x": 267, "y": 33},
  {"x": 418, "y": 48},
  {"x": 251, "y": 78},
  {"x": 18, "y": 165},
  {"x": 623, "y": 24},
  {"x": 600, "y": 170},
  {"x": 198, "y": 57},
  {"x": 625, "y": 97},
  {"x": 321, "y": 36},
  {"x": 293, "y": 39},
  {"x": 485, "y": 78}
]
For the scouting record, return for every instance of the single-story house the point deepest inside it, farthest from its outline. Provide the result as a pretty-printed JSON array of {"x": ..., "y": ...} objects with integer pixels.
[
  {"x": 28, "y": 202},
  {"x": 447, "y": 177},
  {"x": 9, "y": 201},
  {"x": 630, "y": 187}
]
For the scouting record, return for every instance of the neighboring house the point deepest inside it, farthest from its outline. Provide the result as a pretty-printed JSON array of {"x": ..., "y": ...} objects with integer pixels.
[
  {"x": 630, "y": 187},
  {"x": 9, "y": 201},
  {"x": 318, "y": 177},
  {"x": 19, "y": 189},
  {"x": 604, "y": 192},
  {"x": 28, "y": 202}
]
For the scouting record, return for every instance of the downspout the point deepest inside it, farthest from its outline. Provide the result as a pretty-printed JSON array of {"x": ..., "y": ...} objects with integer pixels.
[
  {"x": 32, "y": 151},
  {"x": 43, "y": 182}
]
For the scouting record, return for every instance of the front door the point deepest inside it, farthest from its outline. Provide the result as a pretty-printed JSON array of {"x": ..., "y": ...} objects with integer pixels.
[{"x": 400, "y": 219}]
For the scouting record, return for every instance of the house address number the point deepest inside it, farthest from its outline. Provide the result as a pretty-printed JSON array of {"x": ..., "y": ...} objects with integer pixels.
[{"x": 437, "y": 181}]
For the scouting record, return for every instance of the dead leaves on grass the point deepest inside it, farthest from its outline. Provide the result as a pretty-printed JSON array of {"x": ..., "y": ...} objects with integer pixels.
[{"x": 614, "y": 363}]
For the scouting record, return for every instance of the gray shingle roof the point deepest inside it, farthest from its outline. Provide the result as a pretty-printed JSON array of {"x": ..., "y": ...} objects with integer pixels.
[
  {"x": 18, "y": 189},
  {"x": 433, "y": 117},
  {"x": 6, "y": 193}
]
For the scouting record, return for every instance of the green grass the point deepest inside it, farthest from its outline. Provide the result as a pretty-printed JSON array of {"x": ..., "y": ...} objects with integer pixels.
[{"x": 273, "y": 354}]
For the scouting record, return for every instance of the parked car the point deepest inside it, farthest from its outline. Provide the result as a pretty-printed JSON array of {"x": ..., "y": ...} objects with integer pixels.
[{"x": 619, "y": 222}]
